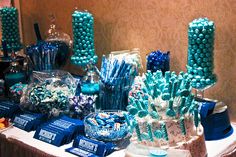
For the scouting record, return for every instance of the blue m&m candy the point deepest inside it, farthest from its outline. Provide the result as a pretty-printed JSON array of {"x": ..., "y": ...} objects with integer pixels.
[{"x": 158, "y": 60}]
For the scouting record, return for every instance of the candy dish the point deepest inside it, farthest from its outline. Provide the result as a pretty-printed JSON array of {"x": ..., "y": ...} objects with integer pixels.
[{"x": 107, "y": 125}]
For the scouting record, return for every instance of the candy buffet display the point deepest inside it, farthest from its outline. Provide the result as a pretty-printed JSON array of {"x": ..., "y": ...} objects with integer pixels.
[
  {"x": 49, "y": 93},
  {"x": 158, "y": 60},
  {"x": 155, "y": 111},
  {"x": 106, "y": 126},
  {"x": 10, "y": 28},
  {"x": 200, "y": 64},
  {"x": 166, "y": 115}
]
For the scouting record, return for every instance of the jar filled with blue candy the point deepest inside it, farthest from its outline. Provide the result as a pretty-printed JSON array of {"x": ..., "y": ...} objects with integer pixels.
[
  {"x": 158, "y": 60},
  {"x": 90, "y": 85}
]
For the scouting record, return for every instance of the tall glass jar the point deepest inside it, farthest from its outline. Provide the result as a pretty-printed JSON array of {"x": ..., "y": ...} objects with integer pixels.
[
  {"x": 14, "y": 74},
  {"x": 90, "y": 84}
]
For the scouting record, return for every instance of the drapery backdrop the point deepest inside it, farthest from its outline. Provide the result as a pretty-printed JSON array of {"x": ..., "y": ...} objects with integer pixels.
[{"x": 148, "y": 25}]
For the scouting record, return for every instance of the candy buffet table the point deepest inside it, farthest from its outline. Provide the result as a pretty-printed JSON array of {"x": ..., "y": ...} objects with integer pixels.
[{"x": 15, "y": 142}]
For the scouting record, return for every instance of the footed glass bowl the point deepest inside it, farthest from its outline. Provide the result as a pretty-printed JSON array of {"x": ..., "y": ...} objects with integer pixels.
[{"x": 106, "y": 125}]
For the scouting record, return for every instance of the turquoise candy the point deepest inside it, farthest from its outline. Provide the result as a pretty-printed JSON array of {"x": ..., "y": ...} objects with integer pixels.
[
  {"x": 164, "y": 131},
  {"x": 139, "y": 105},
  {"x": 158, "y": 75},
  {"x": 10, "y": 28},
  {"x": 127, "y": 119},
  {"x": 144, "y": 104},
  {"x": 142, "y": 113},
  {"x": 158, "y": 134},
  {"x": 167, "y": 76},
  {"x": 184, "y": 110},
  {"x": 174, "y": 89},
  {"x": 137, "y": 129},
  {"x": 170, "y": 113},
  {"x": 154, "y": 115},
  {"x": 166, "y": 96},
  {"x": 202, "y": 30},
  {"x": 182, "y": 104},
  {"x": 156, "y": 93},
  {"x": 184, "y": 92},
  {"x": 144, "y": 136},
  {"x": 153, "y": 107},
  {"x": 182, "y": 125},
  {"x": 149, "y": 130},
  {"x": 83, "y": 39},
  {"x": 133, "y": 111}
]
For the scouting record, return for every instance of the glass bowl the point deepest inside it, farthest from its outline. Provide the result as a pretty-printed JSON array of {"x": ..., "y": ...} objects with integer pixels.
[{"x": 106, "y": 125}]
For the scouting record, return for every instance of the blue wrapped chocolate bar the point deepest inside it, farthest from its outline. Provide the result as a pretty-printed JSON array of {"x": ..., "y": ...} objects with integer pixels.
[
  {"x": 79, "y": 152},
  {"x": 8, "y": 109},
  {"x": 93, "y": 146},
  {"x": 59, "y": 131},
  {"x": 28, "y": 121}
]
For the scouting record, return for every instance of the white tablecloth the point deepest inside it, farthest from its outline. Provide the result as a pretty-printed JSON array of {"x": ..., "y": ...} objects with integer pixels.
[{"x": 214, "y": 148}]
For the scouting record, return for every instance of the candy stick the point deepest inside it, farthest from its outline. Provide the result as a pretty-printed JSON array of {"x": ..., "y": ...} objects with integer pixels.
[
  {"x": 152, "y": 105},
  {"x": 137, "y": 129},
  {"x": 170, "y": 111},
  {"x": 154, "y": 115},
  {"x": 182, "y": 104},
  {"x": 167, "y": 76},
  {"x": 196, "y": 117},
  {"x": 174, "y": 89},
  {"x": 149, "y": 129},
  {"x": 182, "y": 125},
  {"x": 142, "y": 113},
  {"x": 164, "y": 131}
]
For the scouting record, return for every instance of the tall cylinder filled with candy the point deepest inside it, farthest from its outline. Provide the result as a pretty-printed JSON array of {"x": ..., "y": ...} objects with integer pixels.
[
  {"x": 83, "y": 39},
  {"x": 201, "y": 53},
  {"x": 84, "y": 53},
  {"x": 10, "y": 28}
]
